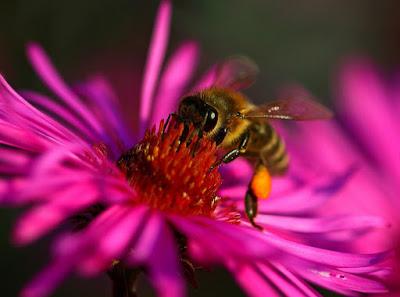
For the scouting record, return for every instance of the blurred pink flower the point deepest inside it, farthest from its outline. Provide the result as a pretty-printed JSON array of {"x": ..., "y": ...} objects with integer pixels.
[
  {"x": 61, "y": 157},
  {"x": 369, "y": 107},
  {"x": 364, "y": 137}
]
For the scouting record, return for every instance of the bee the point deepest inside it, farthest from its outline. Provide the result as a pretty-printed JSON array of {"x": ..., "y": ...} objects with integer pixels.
[{"x": 225, "y": 115}]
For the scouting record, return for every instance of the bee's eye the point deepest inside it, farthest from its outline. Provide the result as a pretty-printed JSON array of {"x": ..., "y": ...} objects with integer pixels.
[{"x": 211, "y": 120}]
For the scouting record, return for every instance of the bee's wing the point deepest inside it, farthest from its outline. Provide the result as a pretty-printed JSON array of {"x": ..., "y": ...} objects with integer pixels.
[
  {"x": 292, "y": 108},
  {"x": 236, "y": 73}
]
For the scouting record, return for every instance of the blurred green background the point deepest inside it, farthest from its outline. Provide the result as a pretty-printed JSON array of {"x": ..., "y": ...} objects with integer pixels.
[{"x": 292, "y": 41}]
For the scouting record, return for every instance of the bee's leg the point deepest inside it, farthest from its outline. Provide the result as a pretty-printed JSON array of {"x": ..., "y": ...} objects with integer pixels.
[
  {"x": 199, "y": 131},
  {"x": 251, "y": 207},
  {"x": 195, "y": 132},
  {"x": 197, "y": 143},
  {"x": 185, "y": 133},
  {"x": 233, "y": 154},
  {"x": 167, "y": 121},
  {"x": 259, "y": 188}
]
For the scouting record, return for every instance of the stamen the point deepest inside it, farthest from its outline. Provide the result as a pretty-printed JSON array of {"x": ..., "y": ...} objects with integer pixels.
[{"x": 172, "y": 173}]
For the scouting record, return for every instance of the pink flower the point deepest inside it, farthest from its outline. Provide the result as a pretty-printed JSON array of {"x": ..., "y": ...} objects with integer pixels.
[
  {"x": 369, "y": 105},
  {"x": 364, "y": 137},
  {"x": 73, "y": 157}
]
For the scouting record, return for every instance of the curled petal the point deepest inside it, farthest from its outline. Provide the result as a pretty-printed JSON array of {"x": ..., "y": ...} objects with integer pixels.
[
  {"x": 45, "y": 69},
  {"x": 15, "y": 110},
  {"x": 50, "y": 105},
  {"x": 175, "y": 78},
  {"x": 155, "y": 57},
  {"x": 104, "y": 107}
]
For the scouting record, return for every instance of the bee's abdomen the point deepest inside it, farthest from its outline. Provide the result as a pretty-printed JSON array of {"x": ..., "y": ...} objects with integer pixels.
[{"x": 273, "y": 153}]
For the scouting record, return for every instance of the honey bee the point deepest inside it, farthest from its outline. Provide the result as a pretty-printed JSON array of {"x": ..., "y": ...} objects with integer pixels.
[{"x": 240, "y": 128}]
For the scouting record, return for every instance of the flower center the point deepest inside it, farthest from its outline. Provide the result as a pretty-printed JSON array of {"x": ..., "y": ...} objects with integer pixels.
[{"x": 170, "y": 170}]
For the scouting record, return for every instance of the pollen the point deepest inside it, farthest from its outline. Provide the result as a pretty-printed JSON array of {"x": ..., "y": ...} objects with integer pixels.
[
  {"x": 261, "y": 182},
  {"x": 170, "y": 169}
]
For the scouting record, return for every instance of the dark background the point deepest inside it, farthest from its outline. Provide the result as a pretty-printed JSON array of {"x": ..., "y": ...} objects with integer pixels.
[{"x": 292, "y": 41}]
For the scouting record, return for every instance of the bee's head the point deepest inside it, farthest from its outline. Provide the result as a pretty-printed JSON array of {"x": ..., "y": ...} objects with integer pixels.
[{"x": 202, "y": 115}]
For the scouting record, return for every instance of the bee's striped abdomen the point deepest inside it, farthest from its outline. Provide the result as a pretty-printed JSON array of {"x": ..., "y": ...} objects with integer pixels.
[{"x": 273, "y": 153}]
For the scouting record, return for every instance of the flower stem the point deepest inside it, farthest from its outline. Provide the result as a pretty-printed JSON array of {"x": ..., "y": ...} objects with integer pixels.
[{"x": 123, "y": 280}]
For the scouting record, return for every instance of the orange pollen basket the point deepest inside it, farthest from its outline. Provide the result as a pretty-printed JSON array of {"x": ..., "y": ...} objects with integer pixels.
[{"x": 171, "y": 174}]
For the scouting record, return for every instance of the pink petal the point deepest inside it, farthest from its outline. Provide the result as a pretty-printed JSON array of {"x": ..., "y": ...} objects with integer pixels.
[
  {"x": 18, "y": 138},
  {"x": 394, "y": 96},
  {"x": 54, "y": 158},
  {"x": 307, "y": 197},
  {"x": 334, "y": 279},
  {"x": 9, "y": 189},
  {"x": 254, "y": 283},
  {"x": 45, "y": 188},
  {"x": 319, "y": 255},
  {"x": 155, "y": 58},
  {"x": 302, "y": 285},
  {"x": 14, "y": 157},
  {"x": 7, "y": 170},
  {"x": 66, "y": 116},
  {"x": 279, "y": 280},
  {"x": 53, "y": 80},
  {"x": 16, "y": 110},
  {"x": 77, "y": 246},
  {"x": 105, "y": 107},
  {"x": 233, "y": 192},
  {"x": 156, "y": 249},
  {"x": 116, "y": 242},
  {"x": 364, "y": 270},
  {"x": 239, "y": 171},
  {"x": 41, "y": 219},
  {"x": 206, "y": 81},
  {"x": 47, "y": 280},
  {"x": 324, "y": 225},
  {"x": 324, "y": 142},
  {"x": 69, "y": 251},
  {"x": 364, "y": 96},
  {"x": 174, "y": 80},
  {"x": 14, "y": 162},
  {"x": 209, "y": 234},
  {"x": 321, "y": 282}
]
